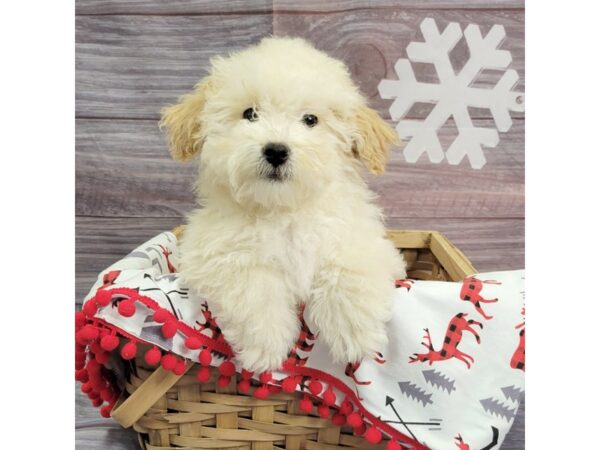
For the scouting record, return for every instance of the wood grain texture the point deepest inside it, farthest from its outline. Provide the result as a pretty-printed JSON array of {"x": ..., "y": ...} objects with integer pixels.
[
  {"x": 124, "y": 169},
  {"x": 89, "y": 7},
  {"x": 370, "y": 41},
  {"x": 490, "y": 244},
  {"x": 132, "y": 66}
]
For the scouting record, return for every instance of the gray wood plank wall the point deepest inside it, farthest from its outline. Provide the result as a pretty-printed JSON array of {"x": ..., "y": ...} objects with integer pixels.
[{"x": 135, "y": 56}]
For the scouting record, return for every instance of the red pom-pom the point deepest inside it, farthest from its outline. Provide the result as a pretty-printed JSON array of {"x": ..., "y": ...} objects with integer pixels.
[
  {"x": 315, "y": 387},
  {"x": 109, "y": 342},
  {"x": 93, "y": 395},
  {"x": 289, "y": 384},
  {"x": 354, "y": 420},
  {"x": 305, "y": 405},
  {"x": 79, "y": 365},
  {"x": 89, "y": 333},
  {"x": 227, "y": 368},
  {"x": 346, "y": 407},
  {"x": 394, "y": 445},
  {"x": 223, "y": 381},
  {"x": 193, "y": 343},
  {"x": 80, "y": 357},
  {"x": 205, "y": 357},
  {"x": 161, "y": 315},
  {"x": 265, "y": 377},
  {"x": 373, "y": 435},
  {"x": 81, "y": 375},
  {"x": 261, "y": 392},
  {"x": 93, "y": 368},
  {"x": 359, "y": 431},
  {"x": 328, "y": 397},
  {"x": 97, "y": 402},
  {"x": 169, "y": 329},
  {"x": 86, "y": 388},
  {"x": 106, "y": 394},
  {"x": 79, "y": 320},
  {"x": 102, "y": 357},
  {"x": 90, "y": 308},
  {"x": 203, "y": 374},
  {"x": 323, "y": 411},
  {"x": 129, "y": 350},
  {"x": 338, "y": 419},
  {"x": 126, "y": 308},
  {"x": 179, "y": 368},
  {"x": 103, "y": 297},
  {"x": 168, "y": 361},
  {"x": 105, "y": 411},
  {"x": 152, "y": 356},
  {"x": 244, "y": 386},
  {"x": 246, "y": 374}
]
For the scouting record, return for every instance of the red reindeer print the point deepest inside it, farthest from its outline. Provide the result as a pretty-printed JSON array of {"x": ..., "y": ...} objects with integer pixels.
[
  {"x": 351, "y": 369},
  {"x": 518, "y": 359},
  {"x": 210, "y": 324},
  {"x": 404, "y": 284},
  {"x": 302, "y": 344},
  {"x": 167, "y": 253},
  {"x": 470, "y": 292},
  {"x": 453, "y": 337},
  {"x": 109, "y": 278},
  {"x": 460, "y": 443}
]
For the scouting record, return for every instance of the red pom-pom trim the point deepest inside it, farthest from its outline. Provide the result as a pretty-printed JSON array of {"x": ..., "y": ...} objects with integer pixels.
[
  {"x": 315, "y": 387},
  {"x": 244, "y": 386},
  {"x": 86, "y": 388},
  {"x": 102, "y": 357},
  {"x": 289, "y": 384},
  {"x": 323, "y": 411},
  {"x": 359, "y": 431},
  {"x": 79, "y": 320},
  {"x": 168, "y": 362},
  {"x": 81, "y": 375},
  {"x": 227, "y": 368},
  {"x": 346, "y": 407},
  {"x": 373, "y": 435},
  {"x": 129, "y": 351},
  {"x": 328, "y": 397},
  {"x": 193, "y": 343},
  {"x": 354, "y": 420},
  {"x": 126, "y": 308},
  {"x": 394, "y": 445},
  {"x": 246, "y": 374},
  {"x": 169, "y": 329},
  {"x": 107, "y": 394},
  {"x": 103, "y": 297},
  {"x": 152, "y": 356},
  {"x": 109, "y": 342},
  {"x": 105, "y": 411},
  {"x": 89, "y": 332},
  {"x": 179, "y": 368},
  {"x": 338, "y": 419},
  {"x": 261, "y": 392},
  {"x": 161, "y": 315},
  {"x": 305, "y": 405},
  {"x": 90, "y": 308},
  {"x": 265, "y": 377},
  {"x": 204, "y": 374},
  {"x": 223, "y": 381},
  {"x": 205, "y": 357}
]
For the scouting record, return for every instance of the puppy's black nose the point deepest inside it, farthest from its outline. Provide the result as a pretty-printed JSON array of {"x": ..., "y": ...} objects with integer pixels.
[{"x": 276, "y": 154}]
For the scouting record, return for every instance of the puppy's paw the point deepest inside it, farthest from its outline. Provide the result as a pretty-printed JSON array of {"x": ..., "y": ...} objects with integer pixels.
[
  {"x": 360, "y": 342},
  {"x": 261, "y": 359}
]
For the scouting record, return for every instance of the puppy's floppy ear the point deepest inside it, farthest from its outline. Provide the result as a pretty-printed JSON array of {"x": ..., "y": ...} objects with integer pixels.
[
  {"x": 182, "y": 122},
  {"x": 373, "y": 140}
]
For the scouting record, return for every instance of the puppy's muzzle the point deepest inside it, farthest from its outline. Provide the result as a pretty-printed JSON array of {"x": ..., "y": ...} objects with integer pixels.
[{"x": 276, "y": 154}]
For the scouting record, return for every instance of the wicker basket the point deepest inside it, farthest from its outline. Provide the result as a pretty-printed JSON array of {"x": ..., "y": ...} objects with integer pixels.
[{"x": 170, "y": 411}]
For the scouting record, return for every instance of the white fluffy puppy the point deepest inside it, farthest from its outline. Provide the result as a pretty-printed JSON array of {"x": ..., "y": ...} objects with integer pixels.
[{"x": 281, "y": 134}]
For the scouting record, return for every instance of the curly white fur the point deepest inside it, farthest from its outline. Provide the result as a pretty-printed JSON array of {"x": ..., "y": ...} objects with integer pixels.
[{"x": 258, "y": 248}]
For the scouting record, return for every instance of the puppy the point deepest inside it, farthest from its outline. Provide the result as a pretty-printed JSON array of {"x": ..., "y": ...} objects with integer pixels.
[{"x": 281, "y": 135}]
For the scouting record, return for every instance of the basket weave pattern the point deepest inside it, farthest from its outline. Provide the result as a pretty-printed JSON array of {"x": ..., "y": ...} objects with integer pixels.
[{"x": 170, "y": 411}]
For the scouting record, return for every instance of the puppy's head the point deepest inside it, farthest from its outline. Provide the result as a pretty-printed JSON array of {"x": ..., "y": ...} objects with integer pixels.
[{"x": 274, "y": 124}]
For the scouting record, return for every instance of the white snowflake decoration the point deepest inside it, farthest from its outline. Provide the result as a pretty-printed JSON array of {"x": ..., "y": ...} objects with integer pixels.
[{"x": 454, "y": 94}]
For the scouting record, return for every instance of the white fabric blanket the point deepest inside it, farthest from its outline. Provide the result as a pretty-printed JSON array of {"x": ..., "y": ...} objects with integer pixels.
[{"x": 452, "y": 375}]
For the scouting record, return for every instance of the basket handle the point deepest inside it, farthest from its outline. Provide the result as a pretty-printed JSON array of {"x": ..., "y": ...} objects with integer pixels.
[{"x": 129, "y": 411}]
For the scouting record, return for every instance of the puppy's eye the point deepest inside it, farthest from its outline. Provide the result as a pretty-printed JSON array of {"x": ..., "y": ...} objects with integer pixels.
[
  {"x": 250, "y": 115},
  {"x": 310, "y": 120}
]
